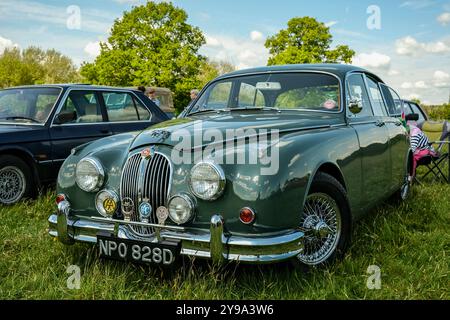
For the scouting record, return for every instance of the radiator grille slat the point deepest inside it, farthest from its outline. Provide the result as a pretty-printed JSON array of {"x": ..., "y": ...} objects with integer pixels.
[{"x": 147, "y": 179}]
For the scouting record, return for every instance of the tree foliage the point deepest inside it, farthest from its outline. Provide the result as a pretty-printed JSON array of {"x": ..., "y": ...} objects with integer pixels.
[
  {"x": 306, "y": 40},
  {"x": 150, "y": 45},
  {"x": 35, "y": 66},
  {"x": 210, "y": 69}
]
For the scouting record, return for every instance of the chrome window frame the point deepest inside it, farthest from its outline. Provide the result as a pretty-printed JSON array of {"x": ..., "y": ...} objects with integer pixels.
[
  {"x": 341, "y": 91},
  {"x": 99, "y": 90},
  {"x": 349, "y": 114}
]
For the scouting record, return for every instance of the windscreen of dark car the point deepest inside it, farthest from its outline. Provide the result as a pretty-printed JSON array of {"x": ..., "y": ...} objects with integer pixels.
[
  {"x": 27, "y": 105},
  {"x": 284, "y": 91}
]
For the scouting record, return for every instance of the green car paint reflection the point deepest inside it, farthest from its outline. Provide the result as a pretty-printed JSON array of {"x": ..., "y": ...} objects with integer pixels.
[{"x": 333, "y": 166}]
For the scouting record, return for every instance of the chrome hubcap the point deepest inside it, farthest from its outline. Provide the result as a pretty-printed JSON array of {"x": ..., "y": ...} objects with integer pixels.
[
  {"x": 321, "y": 222},
  {"x": 12, "y": 185}
]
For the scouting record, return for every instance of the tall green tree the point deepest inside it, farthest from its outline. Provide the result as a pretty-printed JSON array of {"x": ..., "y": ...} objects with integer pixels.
[
  {"x": 211, "y": 69},
  {"x": 150, "y": 45},
  {"x": 306, "y": 40},
  {"x": 35, "y": 66}
]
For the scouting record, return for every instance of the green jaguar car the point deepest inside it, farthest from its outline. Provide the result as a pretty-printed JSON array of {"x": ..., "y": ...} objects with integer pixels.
[{"x": 266, "y": 165}]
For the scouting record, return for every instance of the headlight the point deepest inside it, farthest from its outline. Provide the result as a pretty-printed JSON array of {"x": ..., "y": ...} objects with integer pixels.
[
  {"x": 207, "y": 181},
  {"x": 181, "y": 208},
  {"x": 89, "y": 174},
  {"x": 106, "y": 203}
]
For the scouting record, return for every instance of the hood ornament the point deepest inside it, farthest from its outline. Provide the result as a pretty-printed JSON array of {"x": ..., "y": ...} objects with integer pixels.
[
  {"x": 160, "y": 134},
  {"x": 148, "y": 153}
]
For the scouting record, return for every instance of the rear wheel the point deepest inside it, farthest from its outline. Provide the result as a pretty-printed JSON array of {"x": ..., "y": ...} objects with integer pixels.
[
  {"x": 16, "y": 180},
  {"x": 326, "y": 222}
]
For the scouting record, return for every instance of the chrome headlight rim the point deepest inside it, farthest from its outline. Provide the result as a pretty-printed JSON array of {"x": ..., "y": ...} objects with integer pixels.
[
  {"x": 222, "y": 181},
  {"x": 191, "y": 203},
  {"x": 112, "y": 195},
  {"x": 100, "y": 171}
]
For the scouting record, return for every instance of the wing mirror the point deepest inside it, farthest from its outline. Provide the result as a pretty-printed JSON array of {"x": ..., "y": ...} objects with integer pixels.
[
  {"x": 355, "y": 106},
  {"x": 65, "y": 117},
  {"x": 412, "y": 117}
]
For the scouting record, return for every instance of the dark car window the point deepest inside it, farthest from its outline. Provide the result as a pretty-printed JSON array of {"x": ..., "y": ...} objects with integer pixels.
[
  {"x": 417, "y": 110},
  {"x": 121, "y": 107},
  {"x": 357, "y": 91},
  {"x": 85, "y": 106},
  {"x": 379, "y": 109},
  {"x": 393, "y": 101},
  {"x": 27, "y": 104}
]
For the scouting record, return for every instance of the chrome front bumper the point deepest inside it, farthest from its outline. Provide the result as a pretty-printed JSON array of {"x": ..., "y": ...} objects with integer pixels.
[{"x": 214, "y": 244}]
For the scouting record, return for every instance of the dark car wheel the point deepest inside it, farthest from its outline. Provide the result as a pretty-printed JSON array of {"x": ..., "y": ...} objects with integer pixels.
[
  {"x": 15, "y": 180},
  {"x": 326, "y": 222}
]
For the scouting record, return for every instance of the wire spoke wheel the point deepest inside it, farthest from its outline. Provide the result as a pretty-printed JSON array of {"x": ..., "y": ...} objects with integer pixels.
[
  {"x": 321, "y": 221},
  {"x": 12, "y": 184}
]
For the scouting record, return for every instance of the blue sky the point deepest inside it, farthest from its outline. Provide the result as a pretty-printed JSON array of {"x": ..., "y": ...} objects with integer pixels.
[{"x": 410, "y": 50}]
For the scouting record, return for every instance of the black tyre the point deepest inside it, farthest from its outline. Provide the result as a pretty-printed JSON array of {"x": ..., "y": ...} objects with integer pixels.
[
  {"x": 326, "y": 221},
  {"x": 16, "y": 180}
]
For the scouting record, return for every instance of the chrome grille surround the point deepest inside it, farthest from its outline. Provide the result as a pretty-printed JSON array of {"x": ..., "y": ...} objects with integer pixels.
[{"x": 146, "y": 179}]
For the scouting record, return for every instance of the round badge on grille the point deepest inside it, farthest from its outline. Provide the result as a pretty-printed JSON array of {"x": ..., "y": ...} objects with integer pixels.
[{"x": 145, "y": 211}]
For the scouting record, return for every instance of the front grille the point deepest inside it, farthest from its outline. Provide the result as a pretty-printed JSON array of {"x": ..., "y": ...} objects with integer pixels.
[{"x": 146, "y": 179}]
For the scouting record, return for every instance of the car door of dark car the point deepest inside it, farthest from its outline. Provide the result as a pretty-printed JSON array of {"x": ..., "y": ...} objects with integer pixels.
[
  {"x": 398, "y": 138},
  {"x": 126, "y": 112},
  {"x": 84, "y": 121},
  {"x": 374, "y": 143}
]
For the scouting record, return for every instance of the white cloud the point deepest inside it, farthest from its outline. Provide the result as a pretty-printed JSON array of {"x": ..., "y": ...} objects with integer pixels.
[
  {"x": 331, "y": 23},
  {"x": 373, "y": 60},
  {"x": 92, "y": 49},
  {"x": 420, "y": 85},
  {"x": 242, "y": 52},
  {"x": 393, "y": 72},
  {"x": 409, "y": 46},
  {"x": 444, "y": 18},
  {"x": 441, "y": 79},
  {"x": 256, "y": 36},
  {"x": 6, "y": 44},
  {"x": 418, "y": 4},
  {"x": 407, "y": 85}
]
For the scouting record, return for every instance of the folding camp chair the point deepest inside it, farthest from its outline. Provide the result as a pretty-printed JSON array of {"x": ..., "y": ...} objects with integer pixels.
[{"x": 439, "y": 134}]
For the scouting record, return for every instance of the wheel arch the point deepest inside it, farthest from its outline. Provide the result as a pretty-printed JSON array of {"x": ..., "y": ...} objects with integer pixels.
[{"x": 27, "y": 157}]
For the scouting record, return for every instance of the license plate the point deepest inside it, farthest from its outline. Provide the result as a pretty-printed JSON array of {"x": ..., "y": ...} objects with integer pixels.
[{"x": 162, "y": 254}]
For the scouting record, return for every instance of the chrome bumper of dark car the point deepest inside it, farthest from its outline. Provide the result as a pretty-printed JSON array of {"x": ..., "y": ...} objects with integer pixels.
[{"x": 214, "y": 244}]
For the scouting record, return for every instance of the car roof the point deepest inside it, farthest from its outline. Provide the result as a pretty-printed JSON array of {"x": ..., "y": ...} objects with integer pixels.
[
  {"x": 340, "y": 70},
  {"x": 72, "y": 85}
]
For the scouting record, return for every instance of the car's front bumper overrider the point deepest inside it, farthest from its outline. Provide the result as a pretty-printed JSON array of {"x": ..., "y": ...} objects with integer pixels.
[{"x": 215, "y": 244}]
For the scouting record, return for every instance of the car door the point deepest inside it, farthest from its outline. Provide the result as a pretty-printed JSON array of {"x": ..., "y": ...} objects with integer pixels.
[
  {"x": 398, "y": 138},
  {"x": 373, "y": 140},
  {"x": 125, "y": 112},
  {"x": 88, "y": 123}
]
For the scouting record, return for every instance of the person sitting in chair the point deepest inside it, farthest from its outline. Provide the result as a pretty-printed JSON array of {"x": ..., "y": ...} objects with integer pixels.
[{"x": 420, "y": 145}]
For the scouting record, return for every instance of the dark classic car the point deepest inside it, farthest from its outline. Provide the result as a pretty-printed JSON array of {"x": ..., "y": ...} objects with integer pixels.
[
  {"x": 268, "y": 164},
  {"x": 40, "y": 125}
]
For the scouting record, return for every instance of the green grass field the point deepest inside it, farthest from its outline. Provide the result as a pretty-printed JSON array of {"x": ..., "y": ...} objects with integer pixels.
[{"x": 410, "y": 242}]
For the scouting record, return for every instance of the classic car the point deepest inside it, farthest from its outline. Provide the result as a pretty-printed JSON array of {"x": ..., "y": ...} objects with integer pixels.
[
  {"x": 214, "y": 184},
  {"x": 39, "y": 125}
]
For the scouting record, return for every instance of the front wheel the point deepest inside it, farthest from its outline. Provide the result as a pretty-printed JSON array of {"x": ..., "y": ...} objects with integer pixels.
[
  {"x": 326, "y": 222},
  {"x": 15, "y": 180}
]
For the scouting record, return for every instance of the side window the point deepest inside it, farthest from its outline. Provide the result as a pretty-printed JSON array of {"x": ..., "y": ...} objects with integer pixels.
[
  {"x": 120, "y": 107},
  {"x": 84, "y": 106},
  {"x": 393, "y": 101},
  {"x": 44, "y": 105},
  {"x": 416, "y": 109},
  {"x": 249, "y": 96},
  {"x": 144, "y": 114},
  {"x": 378, "y": 106},
  {"x": 399, "y": 106},
  {"x": 357, "y": 91},
  {"x": 219, "y": 96}
]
